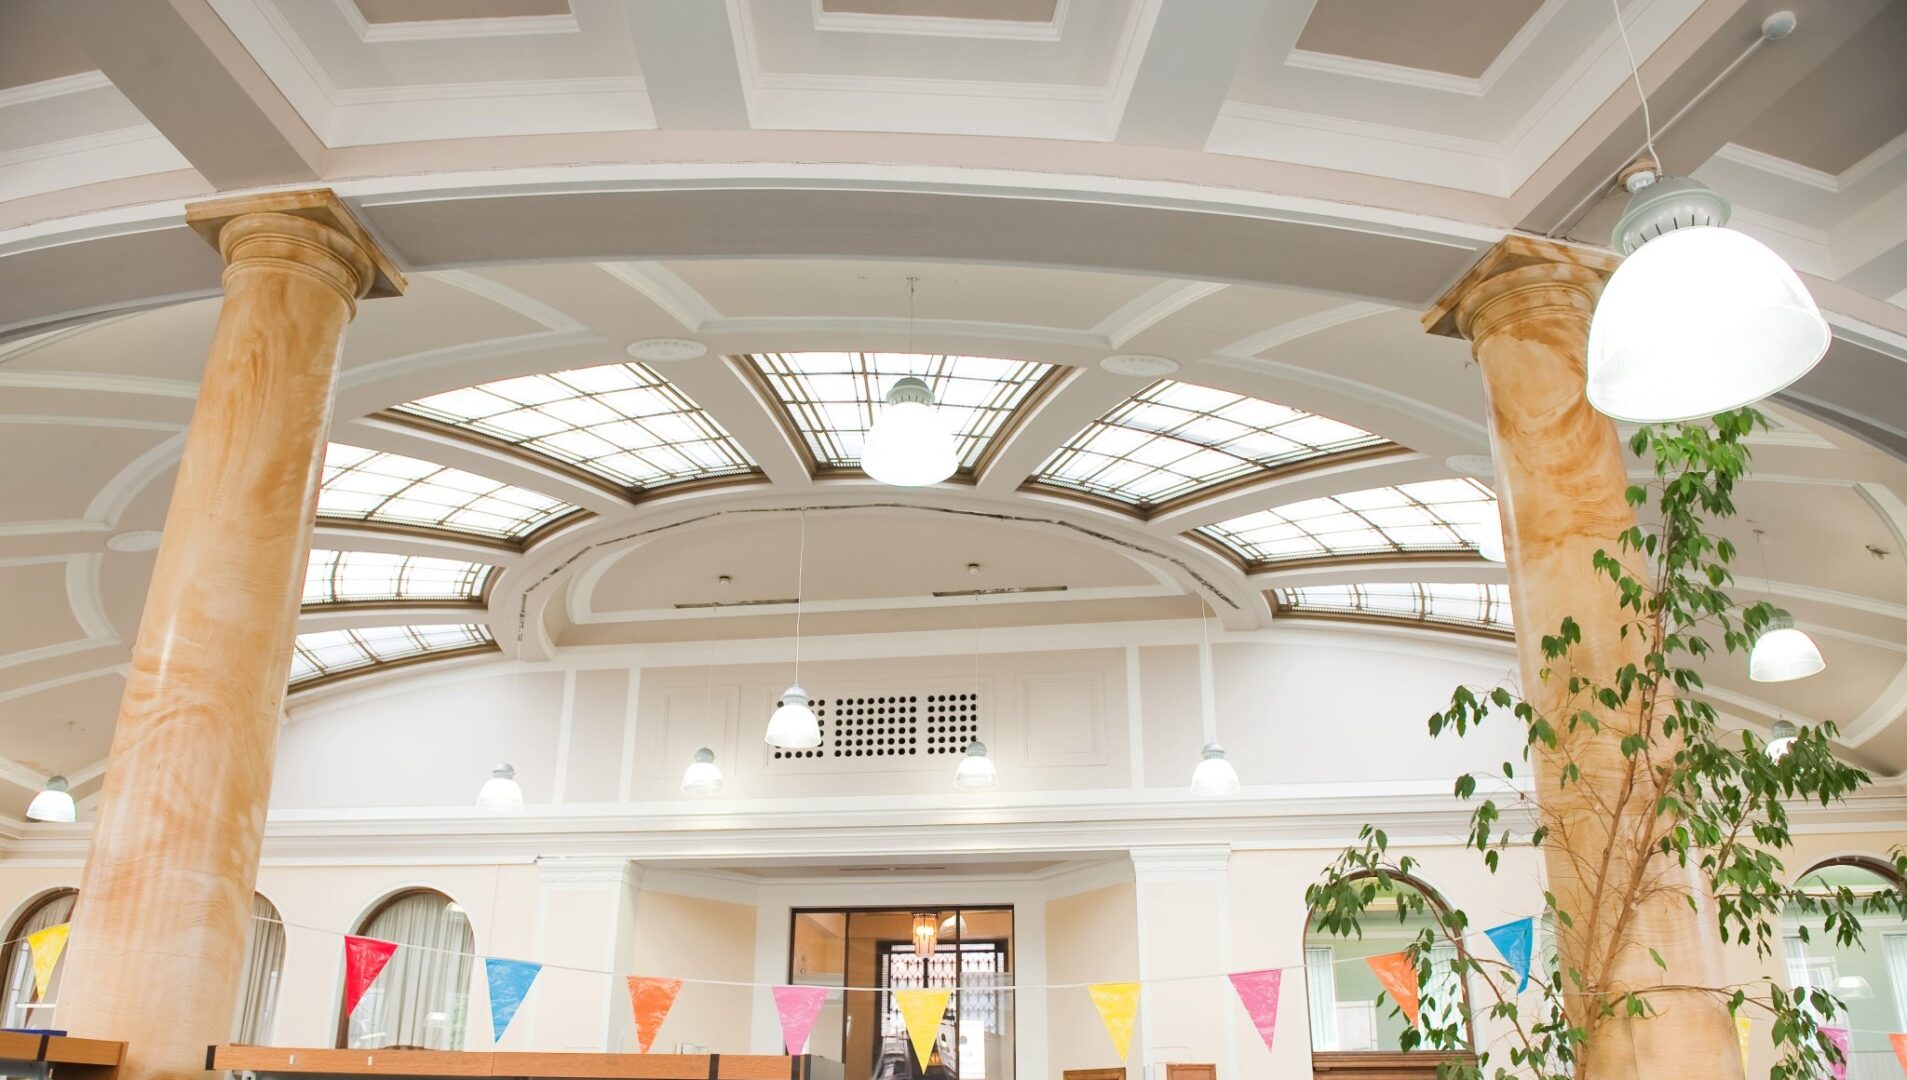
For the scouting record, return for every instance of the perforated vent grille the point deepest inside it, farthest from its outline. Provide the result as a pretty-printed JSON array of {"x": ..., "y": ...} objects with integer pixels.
[{"x": 898, "y": 727}]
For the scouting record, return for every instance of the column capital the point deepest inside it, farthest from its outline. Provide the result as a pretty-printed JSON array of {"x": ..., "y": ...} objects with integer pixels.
[
  {"x": 1190, "y": 862},
  {"x": 1520, "y": 273},
  {"x": 374, "y": 274}
]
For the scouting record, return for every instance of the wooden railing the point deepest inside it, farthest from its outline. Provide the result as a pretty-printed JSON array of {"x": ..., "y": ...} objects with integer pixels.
[
  {"x": 1379, "y": 1065},
  {"x": 273, "y": 1061},
  {"x": 25, "y": 1054}
]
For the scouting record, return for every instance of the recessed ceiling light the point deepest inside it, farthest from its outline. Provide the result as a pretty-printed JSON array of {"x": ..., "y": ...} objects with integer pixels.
[
  {"x": 1480, "y": 466},
  {"x": 1139, "y": 365},
  {"x": 141, "y": 540},
  {"x": 667, "y": 350}
]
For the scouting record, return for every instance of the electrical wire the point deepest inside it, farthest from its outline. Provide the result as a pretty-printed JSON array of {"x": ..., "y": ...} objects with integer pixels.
[{"x": 1635, "y": 72}]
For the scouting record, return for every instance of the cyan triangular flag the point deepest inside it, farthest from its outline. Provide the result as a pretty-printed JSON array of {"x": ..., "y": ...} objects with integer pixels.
[
  {"x": 1514, "y": 940},
  {"x": 509, "y": 981}
]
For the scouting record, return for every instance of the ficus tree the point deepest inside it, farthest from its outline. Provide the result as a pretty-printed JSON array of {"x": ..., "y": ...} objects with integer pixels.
[{"x": 1697, "y": 813}]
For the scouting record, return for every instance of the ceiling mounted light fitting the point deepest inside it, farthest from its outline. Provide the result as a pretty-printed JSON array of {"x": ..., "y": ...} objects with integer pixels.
[
  {"x": 1139, "y": 365},
  {"x": 794, "y": 725},
  {"x": 667, "y": 350},
  {"x": 137, "y": 540},
  {"x": 908, "y": 444},
  {"x": 1699, "y": 318},
  {"x": 53, "y": 803},
  {"x": 1215, "y": 777},
  {"x": 501, "y": 793},
  {"x": 976, "y": 771},
  {"x": 703, "y": 776}
]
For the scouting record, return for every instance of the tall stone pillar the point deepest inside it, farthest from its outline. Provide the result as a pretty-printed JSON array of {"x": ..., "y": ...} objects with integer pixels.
[
  {"x": 158, "y": 941},
  {"x": 1561, "y": 478}
]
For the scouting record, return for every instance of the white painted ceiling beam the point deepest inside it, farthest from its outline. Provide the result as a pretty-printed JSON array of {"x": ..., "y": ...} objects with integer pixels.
[
  {"x": 179, "y": 63},
  {"x": 336, "y": 536},
  {"x": 363, "y": 617},
  {"x": 1451, "y": 568},
  {"x": 715, "y": 383},
  {"x": 690, "y": 63},
  {"x": 1086, "y": 395},
  {"x": 1190, "y": 59}
]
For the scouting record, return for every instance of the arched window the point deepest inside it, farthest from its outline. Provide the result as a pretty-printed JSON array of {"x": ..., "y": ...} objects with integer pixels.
[
  {"x": 1341, "y": 989},
  {"x": 18, "y": 1008},
  {"x": 1869, "y": 976},
  {"x": 264, "y": 963},
  {"x": 421, "y": 998}
]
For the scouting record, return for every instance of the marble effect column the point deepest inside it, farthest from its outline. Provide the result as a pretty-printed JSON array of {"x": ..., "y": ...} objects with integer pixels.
[
  {"x": 159, "y": 937},
  {"x": 1561, "y": 477}
]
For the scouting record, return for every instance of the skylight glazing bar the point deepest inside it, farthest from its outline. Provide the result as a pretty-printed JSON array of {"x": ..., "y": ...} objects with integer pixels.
[
  {"x": 369, "y": 485},
  {"x": 1478, "y": 606},
  {"x": 1434, "y": 516},
  {"x": 334, "y": 652},
  {"x": 333, "y": 577}
]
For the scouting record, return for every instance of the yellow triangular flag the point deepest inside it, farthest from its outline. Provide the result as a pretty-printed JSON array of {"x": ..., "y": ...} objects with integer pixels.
[
  {"x": 1742, "y": 1027},
  {"x": 922, "y": 1010},
  {"x": 1118, "y": 1004},
  {"x": 46, "y": 946}
]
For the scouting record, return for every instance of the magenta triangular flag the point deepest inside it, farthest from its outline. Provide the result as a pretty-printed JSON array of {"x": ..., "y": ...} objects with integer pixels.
[
  {"x": 364, "y": 959},
  {"x": 1258, "y": 990},
  {"x": 798, "y": 1006}
]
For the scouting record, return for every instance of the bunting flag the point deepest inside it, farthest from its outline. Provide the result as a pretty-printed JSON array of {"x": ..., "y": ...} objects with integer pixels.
[
  {"x": 1742, "y": 1026},
  {"x": 651, "y": 999},
  {"x": 1514, "y": 941},
  {"x": 1900, "y": 1049},
  {"x": 364, "y": 959},
  {"x": 1837, "y": 1036},
  {"x": 921, "y": 1010},
  {"x": 509, "y": 983},
  {"x": 1399, "y": 977},
  {"x": 46, "y": 946},
  {"x": 1118, "y": 1003},
  {"x": 798, "y": 1006},
  {"x": 1258, "y": 990}
]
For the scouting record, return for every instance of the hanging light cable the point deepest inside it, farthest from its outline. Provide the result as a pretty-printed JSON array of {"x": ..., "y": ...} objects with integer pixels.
[
  {"x": 794, "y": 725},
  {"x": 501, "y": 794},
  {"x": 1214, "y": 777},
  {"x": 1782, "y": 652},
  {"x": 1699, "y": 318},
  {"x": 908, "y": 445},
  {"x": 976, "y": 771},
  {"x": 703, "y": 776}
]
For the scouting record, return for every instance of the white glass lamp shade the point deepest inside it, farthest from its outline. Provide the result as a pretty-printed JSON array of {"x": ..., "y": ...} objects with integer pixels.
[
  {"x": 703, "y": 776},
  {"x": 909, "y": 444},
  {"x": 1214, "y": 778},
  {"x": 54, "y": 803},
  {"x": 793, "y": 727},
  {"x": 1783, "y": 653},
  {"x": 501, "y": 793},
  {"x": 976, "y": 771},
  {"x": 1698, "y": 321},
  {"x": 1781, "y": 738}
]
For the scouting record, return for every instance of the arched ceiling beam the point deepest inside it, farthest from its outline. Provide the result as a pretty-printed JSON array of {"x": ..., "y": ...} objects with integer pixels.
[
  {"x": 1191, "y": 56},
  {"x": 1043, "y": 426},
  {"x": 429, "y": 441},
  {"x": 690, "y": 64},
  {"x": 1454, "y": 568}
]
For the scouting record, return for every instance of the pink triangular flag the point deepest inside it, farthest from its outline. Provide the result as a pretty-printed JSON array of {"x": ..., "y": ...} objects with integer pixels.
[
  {"x": 364, "y": 959},
  {"x": 798, "y": 1006},
  {"x": 1837, "y": 1036},
  {"x": 1258, "y": 990}
]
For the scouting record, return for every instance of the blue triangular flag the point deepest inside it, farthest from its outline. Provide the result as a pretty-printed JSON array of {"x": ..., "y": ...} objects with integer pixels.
[
  {"x": 509, "y": 981},
  {"x": 1514, "y": 940}
]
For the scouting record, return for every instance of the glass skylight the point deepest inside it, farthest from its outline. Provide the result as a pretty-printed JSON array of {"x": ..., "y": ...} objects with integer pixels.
[
  {"x": 832, "y": 397},
  {"x": 332, "y": 652},
  {"x": 339, "y": 577},
  {"x": 1483, "y": 606},
  {"x": 366, "y": 485},
  {"x": 620, "y": 421},
  {"x": 1432, "y": 516},
  {"x": 1173, "y": 438}
]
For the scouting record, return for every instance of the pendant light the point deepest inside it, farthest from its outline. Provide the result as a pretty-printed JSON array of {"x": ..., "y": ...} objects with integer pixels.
[
  {"x": 53, "y": 803},
  {"x": 976, "y": 771},
  {"x": 794, "y": 725},
  {"x": 703, "y": 776},
  {"x": 501, "y": 793},
  {"x": 926, "y": 933},
  {"x": 1781, "y": 653},
  {"x": 1214, "y": 778},
  {"x": 1699, "y": 318},
  {"x": 1781, "y": 738},
  {"x": 909, "y": 444}
]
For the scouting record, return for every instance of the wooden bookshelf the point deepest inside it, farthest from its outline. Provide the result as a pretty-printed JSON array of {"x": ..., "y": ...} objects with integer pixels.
[
  {"x": 26, "y": 1054},
  {"x": 275, "y": 1061}
]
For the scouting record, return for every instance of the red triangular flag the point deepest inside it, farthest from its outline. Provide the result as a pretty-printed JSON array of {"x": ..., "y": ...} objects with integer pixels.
[
  {"x": 364, "y": 958},
  {"x": 1399, "y": 977},
  {"x": 651, "y": 999}
]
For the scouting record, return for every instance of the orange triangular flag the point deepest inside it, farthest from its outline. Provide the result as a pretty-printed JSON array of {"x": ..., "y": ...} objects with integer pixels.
[
  {"x": 651, "y": 999},
  {"x": 1118, "y": 1003},
  {"x": 46, "y": 946},
  {"x": 1399, "y": 977},
  {"x": 1900, "y": 1049},
  {"x": 921, "y": 1010}
]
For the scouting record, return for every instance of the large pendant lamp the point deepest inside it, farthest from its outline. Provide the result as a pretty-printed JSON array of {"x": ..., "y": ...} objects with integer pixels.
[
  {"x": 1782, "y": 652},
  {"x": 501, "y": 793},
  {"x": 794, "y": 725},
  {"x": 909, "y": 444},
  {"x": 976, "y": 771},
  {"x": 1699, "y": 318},
  {"x": 703, "y": 776},
  {"x": 53, "y": 803}
]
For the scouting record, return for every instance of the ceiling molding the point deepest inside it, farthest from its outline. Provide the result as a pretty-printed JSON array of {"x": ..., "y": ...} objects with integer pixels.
[
  {"x": 1150, "y": 308},
  {"x": 48, "y": 89},
  {"x": 1425, "y": 79},
  {"x": 857, "y": 22},
  {"x": 454, "y": 29}
]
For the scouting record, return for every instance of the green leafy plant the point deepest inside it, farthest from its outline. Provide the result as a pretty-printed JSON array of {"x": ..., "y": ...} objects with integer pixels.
[{"x": 1689, "y": 795}]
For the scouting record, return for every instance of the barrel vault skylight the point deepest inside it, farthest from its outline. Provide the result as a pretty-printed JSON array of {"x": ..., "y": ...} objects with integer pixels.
[
  {"x": 622, "y": 422},
  {"x": 345, "y": 577},
  {"x": 1485, "y": 607},
  {"x": 831, "y": 397},
  {"x": 1174, "y": 439},
  {"x": 1436, "y": 515},
  {"x": 367, "y": 485},
  {"x": 335, "y": 652}
]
